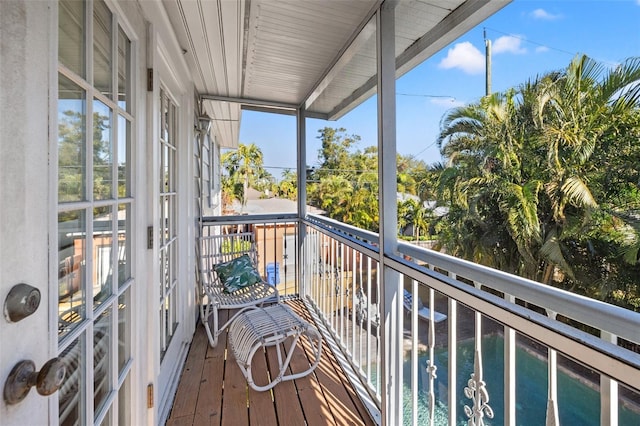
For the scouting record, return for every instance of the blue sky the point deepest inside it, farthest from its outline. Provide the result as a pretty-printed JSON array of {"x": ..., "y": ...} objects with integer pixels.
[{"x": 528, "y": 38}]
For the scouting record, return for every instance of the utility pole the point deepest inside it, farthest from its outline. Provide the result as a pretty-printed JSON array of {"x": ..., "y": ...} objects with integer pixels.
[{"x": 487, "y": 47}]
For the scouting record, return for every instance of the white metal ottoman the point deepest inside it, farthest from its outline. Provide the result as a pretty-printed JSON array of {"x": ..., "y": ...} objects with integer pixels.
[{"x": 259, "y": 327}]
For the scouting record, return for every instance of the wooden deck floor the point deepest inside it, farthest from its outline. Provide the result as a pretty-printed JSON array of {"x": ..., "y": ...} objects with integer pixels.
[{"x": 213, "y": 391}]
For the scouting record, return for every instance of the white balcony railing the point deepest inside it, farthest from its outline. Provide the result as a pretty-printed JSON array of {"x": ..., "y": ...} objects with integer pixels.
[{"x": 480, "y": 345}]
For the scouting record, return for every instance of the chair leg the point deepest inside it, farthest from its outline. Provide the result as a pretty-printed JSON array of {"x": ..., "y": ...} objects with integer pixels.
[{"x": 204, "y": 315}]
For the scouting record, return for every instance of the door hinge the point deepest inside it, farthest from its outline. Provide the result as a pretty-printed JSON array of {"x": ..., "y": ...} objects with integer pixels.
[
  {"x": 150, "y": 237},
  {"x": 149, "y": 79},
  {"x": 150, "y": 395}
]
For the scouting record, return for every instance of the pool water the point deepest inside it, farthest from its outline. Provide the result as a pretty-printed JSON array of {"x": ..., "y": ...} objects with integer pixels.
[{"x": 578, "y": 404}]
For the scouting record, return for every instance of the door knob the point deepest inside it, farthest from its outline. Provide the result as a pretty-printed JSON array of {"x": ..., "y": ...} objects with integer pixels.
[
  {"x": 22, "y": 301},
  {"x": 24, "y": 375}
]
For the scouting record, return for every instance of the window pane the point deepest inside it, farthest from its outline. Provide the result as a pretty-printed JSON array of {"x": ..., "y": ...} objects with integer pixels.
[
  {"x": 71, "y": 141},
  {"x": 102, "y": 151},
  {"x": 101, "y": 359},
  {"x": 71, "y": 35},
  {"x": 102, "y": 249},
  {"x": 124, "y": 330},
  {"x": 124, "y": 77},
  {"x": 69, "y": 402},
  {"x": 102, "y": 48},
  {"x": 124, "y": 402},
  {"x": 124, "y": 142},
  {"x": 71, "y": 270},
  {"x": 124, "y": 243}
]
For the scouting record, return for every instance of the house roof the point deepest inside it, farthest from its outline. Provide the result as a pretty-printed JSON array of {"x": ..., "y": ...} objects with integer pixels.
[{"x": 284, "y": 54}]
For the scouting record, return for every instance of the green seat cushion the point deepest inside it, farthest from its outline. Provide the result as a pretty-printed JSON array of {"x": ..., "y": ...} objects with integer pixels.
[{"x": 237, "y": 273}]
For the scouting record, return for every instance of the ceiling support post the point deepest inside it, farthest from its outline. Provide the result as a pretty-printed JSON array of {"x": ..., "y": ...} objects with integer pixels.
[{"x": 391, "y": 389}]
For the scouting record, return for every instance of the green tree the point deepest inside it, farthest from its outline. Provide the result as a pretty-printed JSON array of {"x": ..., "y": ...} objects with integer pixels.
[{"x": 529, "y": 177}]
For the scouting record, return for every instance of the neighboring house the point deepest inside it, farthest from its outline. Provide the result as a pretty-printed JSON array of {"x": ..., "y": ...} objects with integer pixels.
[{"x": 276, "y": 243}]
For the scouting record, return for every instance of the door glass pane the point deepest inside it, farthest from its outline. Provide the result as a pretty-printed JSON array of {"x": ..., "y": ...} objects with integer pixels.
[
  {"x": 102, "y": 151},
  {"x": 71, "y": 270},
  {"x": 69, "y": 395},
  {"x": 124, "y": 243},
  {"x": 71, "y": 141},
  {"x": 124, "y": 402},
  {"x": 101, "y": 359},
  {"x": 102, "y": 250},
  {"x": 124, "y": 78},
  {"x": 102, "y": 48},
  {"x": 124, "y": 331},
  {"x": 71, "y": 35},
  {"x": 164, "y": 272},
  {"x": 124, "y": 142}
]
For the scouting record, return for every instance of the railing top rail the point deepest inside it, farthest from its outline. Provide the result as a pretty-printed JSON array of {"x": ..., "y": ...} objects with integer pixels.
[
  {"x": 608, "y": 358},
  {"x": 252, "y": 218},
  {"x": 604, "y": 316},
  {"x": 343, "y": 227}
]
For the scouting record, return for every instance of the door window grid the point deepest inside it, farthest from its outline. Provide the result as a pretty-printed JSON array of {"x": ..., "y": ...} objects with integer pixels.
[
  {"x": 168, "y": 218},
  {"x": 94, "y": 192}
]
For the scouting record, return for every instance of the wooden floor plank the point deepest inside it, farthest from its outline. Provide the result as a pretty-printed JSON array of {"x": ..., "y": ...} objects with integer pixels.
[
  {"x": 180, "y": 421},
  {"x": 185, "y": 400},
  {"x": 347, "y": 399},
  {"x": 219, "y": 395},
  {"x": 209, "y": 406},
  {"x": 314, "y": 403},
  {"x": 234, "y": 393},
  {"x": 286, "y": 400},
  {"x": 261, "y": 408}
]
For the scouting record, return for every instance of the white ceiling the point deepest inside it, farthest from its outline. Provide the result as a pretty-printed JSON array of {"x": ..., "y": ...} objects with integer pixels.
[{"x": 316, "y": 53}]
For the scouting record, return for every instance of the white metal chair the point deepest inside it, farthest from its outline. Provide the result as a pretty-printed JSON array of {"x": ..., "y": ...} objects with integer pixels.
[{"x": 217, "y": 249}]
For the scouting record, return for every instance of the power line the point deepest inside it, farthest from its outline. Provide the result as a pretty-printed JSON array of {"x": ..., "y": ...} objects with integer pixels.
[
  {"x": 545, "y": 45},
  {"x": 453, "y": 99}
]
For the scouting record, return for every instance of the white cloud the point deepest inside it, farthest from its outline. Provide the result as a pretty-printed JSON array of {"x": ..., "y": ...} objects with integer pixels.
[
  {"x": 542, "y": 49},
  {"x": 543, "y": 14},
  {"x": 508, "y": 44},
  {"x": 464, "y": 56}
]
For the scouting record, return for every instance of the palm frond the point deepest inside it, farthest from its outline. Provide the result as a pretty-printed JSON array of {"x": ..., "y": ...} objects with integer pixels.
[
  {"x": 551, "y": 250},
  {"x": 578, "y": 192}
]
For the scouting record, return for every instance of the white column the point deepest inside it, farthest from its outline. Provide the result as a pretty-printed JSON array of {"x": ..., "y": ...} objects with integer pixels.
[
  {"x": 303, "y": 261},
  {"x": 391, "y": 296}
]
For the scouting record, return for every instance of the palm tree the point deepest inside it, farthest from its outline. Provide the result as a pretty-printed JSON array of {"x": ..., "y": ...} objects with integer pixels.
[
  {"x": 485, "y": 143},
  {"x": 243, "y": 166},
  {"x": 579, "y": 106},
  {"x": 524, "y": 161}
]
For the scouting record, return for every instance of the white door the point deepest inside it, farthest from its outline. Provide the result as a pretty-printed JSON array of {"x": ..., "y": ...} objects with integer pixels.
[
  {"x": 26, "y": 209},
  {"x": 168, "y": 307},
  {"x": 173, "y": 247}
]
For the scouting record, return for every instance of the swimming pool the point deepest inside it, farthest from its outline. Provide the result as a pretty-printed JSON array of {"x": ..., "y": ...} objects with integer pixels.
[{"x": 578, "y": 404}]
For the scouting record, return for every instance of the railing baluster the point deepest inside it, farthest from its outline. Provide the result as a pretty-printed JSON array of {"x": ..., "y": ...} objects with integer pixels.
[
  {"x": 552, "y": 398},
  {"x": 509, "y": 371},
  {"x": 452, "y": 397},
  {"x": 608, "y": 391},
  {"x": 431, "y": 364},
  {"x": 476, "y": 388},
  {"x": 414, "y": 351}
]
